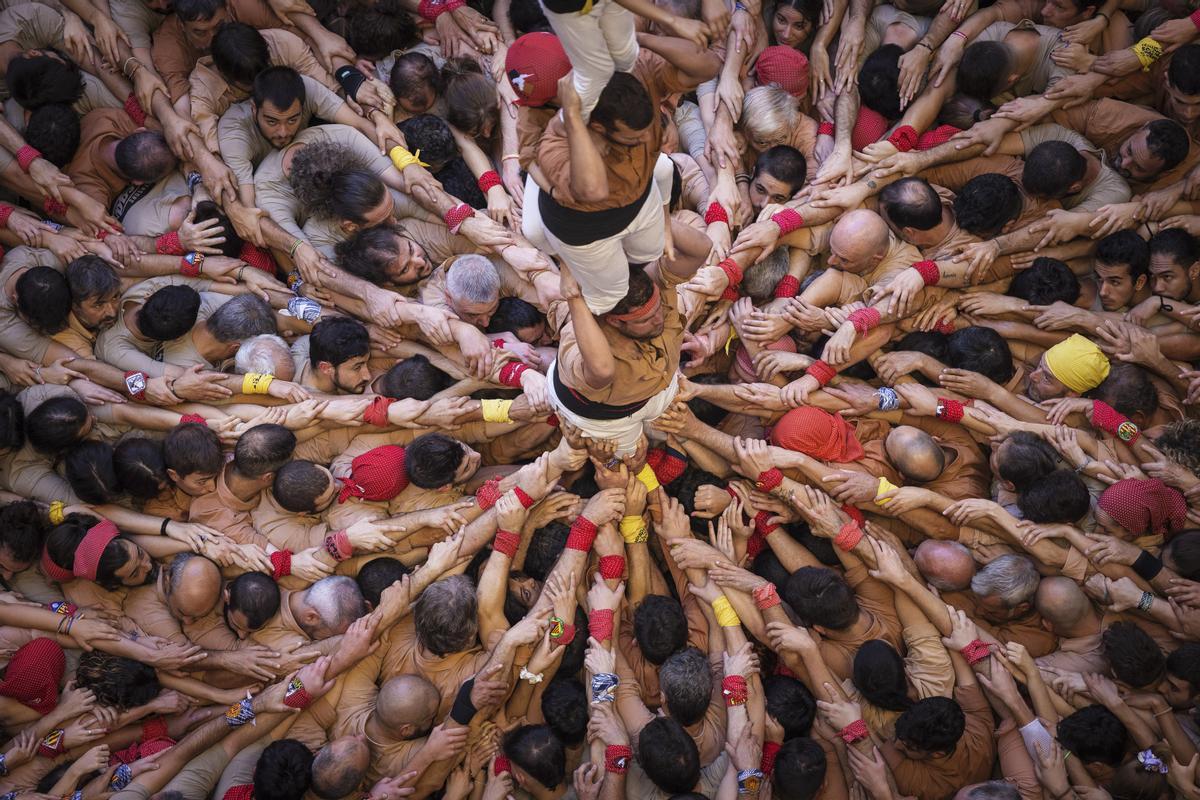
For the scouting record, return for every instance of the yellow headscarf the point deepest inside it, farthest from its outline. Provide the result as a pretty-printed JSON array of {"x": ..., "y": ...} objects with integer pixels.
[{"x": 1078, "y": 363}]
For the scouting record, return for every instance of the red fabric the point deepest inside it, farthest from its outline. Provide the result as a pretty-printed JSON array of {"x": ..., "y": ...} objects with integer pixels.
[
  {"x": 377, "y": 475},
  {"x": 944, "y": 327},
  {"x": 190, "y": 267},
  {"x": 53, "y": 208},
  {"x": 734, "y": 690},
  {"x": 788, "y": 220},
  {"x": 26, "y": 156},
  {"x": 826, "y": 129},
  {"x": 716, "y": 213},
  {"x": 432, "y": 9},
  {"x": 1145, "y": 506},
  {"x": 337, "y": 544},
  {"x": 768, "y": 479},
  {"x": 769, "y": 751},
  {"x": 817, "y": 433},
  {"x": 762, "y": 524},
  {"x": 734, "y": 273},
  {"x": 488, "y": 493},
  {"x": 904, "y": 138},
  {"x": 788, "y": 286},
  {"x": 755, "y": 544},
  {"x": 583, "y": 533},
  {"x": 33, "y": 675},
  {"x": 258, "y": 258},
  {"x": 848, "y": 537},
  {"x": 952, "y": 410},
  {"x": 168, "y": 244},
  {"x": 821, "y": 371},
  {"x": 297, "y": 697},
  {"x": 1106, "y": 418},
  {"x": 1195, "y": 18},
  {"x": 87, "y": 555},
  {"x": 377, "y": 413},
  {"x": 854, "y": 731},
  {"x": 612, "y": 568},
  {"x": 243, "y": 791},
  {"x": 53, "y": 571},
  {"x": 668, "y": 467},
  {"x": 785, "y": 67},
  {"x": 746, "y": 363},
  {"x": 488, "y": 180},
  {"x": 854, "y": 514},
  {"x": 766, "y": 596},
  {"x": 552, "y": 420},
  {"x": 939, "y": 135},
  {"x": 525, "y": 500},
  {"x": 192, "y": 419},
  {"x": 533, "y": 64},
  {"x": 600, "y": 624},
  {"x": 6, "y": 211},
  {"x": 864, "y": 319},
  {"x": 976, "y": 651},
  {"x": 510, "y": 374},
  {"x": 506, "y": 542},
  {"x": 134, "y": 109},
  {"x": 457, "y": 216},
  {"x": 501, "y": 765},
  {"x": 616, "y": 758},
  {"x": 929, "y": 272},
  {"x": 868, "y": 128},
  {"x": 281, "y": 564}
]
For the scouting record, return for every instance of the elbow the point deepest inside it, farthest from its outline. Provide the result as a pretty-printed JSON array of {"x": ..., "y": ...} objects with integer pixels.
[
  {"x": 600, "y": 377},
  {"x": 592, "y": 192}
]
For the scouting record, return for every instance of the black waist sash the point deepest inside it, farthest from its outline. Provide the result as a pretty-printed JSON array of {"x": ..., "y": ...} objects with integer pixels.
[
  {"x": 577, "y": 228},
  {"x": 590, "y": 409}
]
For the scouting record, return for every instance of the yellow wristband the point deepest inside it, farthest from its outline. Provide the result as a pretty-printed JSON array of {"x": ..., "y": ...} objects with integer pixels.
[
  {"x": 648, "y": 478},
  {"x": 256, "y": 383},
  {"x": 56, "y": 512},
  {"x": 1147, "y": 51},
  {"x": 885, "y": 486},
  {"x": 402, "y": 158},
  {"x": 633, "y": 530},
  {"x": 496, "y": 410},
  {"x": 726, "y": 616},
  {"x": 732, "y": 338}
]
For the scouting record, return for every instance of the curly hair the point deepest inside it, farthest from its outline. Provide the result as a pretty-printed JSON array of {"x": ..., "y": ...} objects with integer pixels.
[
  {"x": 325, "y": 177},
  {"x": 1180, "y": 442}
]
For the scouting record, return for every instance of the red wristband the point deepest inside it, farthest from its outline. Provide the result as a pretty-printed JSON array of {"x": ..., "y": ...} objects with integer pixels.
[
  {"x": 788, "y": 286},
  {"x": 190, "y": 265},
  {"x": 488, "y": 493},
  {"x": 949, "y": 410},
  {"x": 848, "y": 537},
  {"x": 26, "y": 156},
  {"x": 768, "y": 479},
  {"x": 904, "y": 138},
  {"x": 1106, "y": 418},
  {"x": 929, "y": 272},
  {"x": 281, "y": 564},
  {"x": 510, "y": 374},
  {"x": 296, "y": 696},
  {"x": 501, "y": 765},
  {"x": 854, "y": 732},
  {"x": 826, "y": 129},
  {"x": 524, "y": 499},
  {"x": 734, "y": 690},
  {"x": 1195, "y": 18},
  {"x": 337, "y": 544},
  {"x": 762, "y": 524},
  {"x": 864, "y": 319},
  {"x": 734, "y": 273},
  {"x": 488, "y": 180},
  {"x": 53, "y": 208},
  {"x": 821, "y": 371},
  {"x": 52, "y": 744},
  {"x": 616, "y": 758},
  {"x": 135, "y": 383},
  {"x": 976, "y": 651},
  {"x": 6, "y": 211},
  {"x": 770, "y": 750},
  {"x": 600, "y": 624},
  {"x": 943, "y": 327},
  {"x": 456, "y": 216},
  {"x": 788, "y": 220},
  {"x": 168, "y": 244},
  {"x": 612, "y": 568},
  {"x": 506, "y": 542},
  {"x": 432, "y": 9},
  {"x": 716, "y": 213},
  {"x": 765, "y": 596},
  {"x": 583, "y": 533},
  {"x": 377, "y": 412},
  {"x": 133, "y": 108}
]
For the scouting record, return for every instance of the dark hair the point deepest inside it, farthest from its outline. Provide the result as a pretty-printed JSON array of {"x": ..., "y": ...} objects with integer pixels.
[
  {"x": 144, "y": 157},
  {"x": 1177, "y": 244},
  {"x": 280, "y": 86},
  {"x": 1184, "y": 551},
  {"x": 432, "y": 459},
  {"x": 117, "y": 682},
  {"x": 331, "y": 182},
  {"x": 512, "y": 314},
  {"x": 659, "y": 627},
  {"x": 1134, "y": 657},
  {"x": 1052, "y": 168},
  {"x": 686, "y": 683},
  {"x": 625, "y": 100},
  {"x": 44, "y": 299},
  {"x": 432, "y": 136},
  {"x": 377, "y": 575},
  {"x": 336, "y": 340},
  {"x": 705, "y": 410},
  {"x": 912, "y": 203},
  {"x": 545, "y": 546},
  {"x": 240, "y": 53},
  {"x": 791, "y": 704},
  {"x": 63, "y": 541},
  {"x": 980, "y": 350},
  {"x": 1167, "y": 141},
  {"x": 879, "y": 79},
  {"x": 12, "y": 423},
  {"x": 22, "y": 530},
  {"x": 931, "y": 343},
  {"x": 140, "y": 467},
  {"x": 1184, "y": 662},
  {"x": 800, "y": 767},
  {"x": 193, "y": 448},
  {"x": 1180, "y": 441},
  {"x": 983, "y": 69},
  {"x": 39, "y": 80},
  {"x": 1060, "y": 497},
  {"x": 255, "y": 595},
  {"x": 1128, "y": 389},
  {"x": 783, "y": 163},
  {"x": 641, "y": 287},
  {"x": 1094, "y": 735},
  {"x": 169, "y": 313},
  {"x": 1125, "y": 248},
  {"x": 986, "y": 203},
  {"x": 241, "y": 317},
  {"x": 932, "y": 724},
  {"x": 413, "y": 377},
  {"x": 821, "y": 597},
  {"x": 297, "y": 486},
  {"x": 262, "y": 449},
  {"x": 54, "y": 131},
  {"x": 879, "y": 675},
  {"x": 669, "y": 755},
  {"x": 411, "y": 71},
  {"x": 527, "y": 16},
  {"x": 1046, "y": 281},
  {"x": 458, "y": 181},
  {"x": 195, "y": 10},
  {"x": 208, "y": 210},
  {"x": 471, "y": 97},
  {"x": 1027, "y": 459},
  {"x": 90, "y": 276},
  {"x": 55, "y": 425},
  {"x": 376, "y": 32},
  {"x": 89, "y": 469},
  {"x": 565, "y": 709},
  {"x": 536, "y": 750},
  {"x": 1184, "y": 72},
  {"x": 283, "y": 771},
  {"x": 368, "y": 251}
]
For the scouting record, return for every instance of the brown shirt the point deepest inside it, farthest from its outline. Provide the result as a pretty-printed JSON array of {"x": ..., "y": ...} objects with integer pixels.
[
  {"x": 148, "y": 606},
  {"x": 531, "y": 124},
  {"x": 971, "y": 761},
  {"x": 877, "y": 604},
  {"x": 87, "y": 169},
  {"x": 1027, "y": 629},
  {"x": 224, "y": 511},
  {"x": 404, "y": 655}
]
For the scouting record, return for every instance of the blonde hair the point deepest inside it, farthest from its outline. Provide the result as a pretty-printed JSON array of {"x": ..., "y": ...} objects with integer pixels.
[{"x": 769, "y": 113}]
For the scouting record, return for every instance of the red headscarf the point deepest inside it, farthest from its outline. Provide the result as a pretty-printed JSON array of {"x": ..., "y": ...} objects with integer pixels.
[
  {"x": 377, "y": 474},
  {"x": 33, "y": 675},
  {"x": 1145, "y": 506},
  {"x": 87, "y": 554},
  {"x": 784, "y": 67},
  {"x": 817, "y": 433}
]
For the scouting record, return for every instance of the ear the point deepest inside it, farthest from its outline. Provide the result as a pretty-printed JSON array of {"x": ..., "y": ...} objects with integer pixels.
[
  {"x": 1009, "y": 226},
  {"x": 1140, "y": 283},
  {"x": 349, "y": 228},
  {"x": 1193, "y": 271},
  {"x": 173, "y": 475},
  {"x": 225, "y": 595},
  {"x": 1007, "y": 486},
  {"x": 325, "y": 368}
]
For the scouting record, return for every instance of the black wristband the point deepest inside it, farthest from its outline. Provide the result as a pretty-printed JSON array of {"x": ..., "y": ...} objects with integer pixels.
[
  {"x": 463, "y": 710},
  {"x": 162, "y": 531},
  {"x": 350, "y": 78},
  {"x": 1147, "y": 566}
]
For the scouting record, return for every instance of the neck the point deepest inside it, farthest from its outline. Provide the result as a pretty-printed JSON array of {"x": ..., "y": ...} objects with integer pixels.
[
  {"x": 1092, "y": 171},
  {"x": 1024, "y": 47},
  {"x": 939, "y": 232},
  {"x": 856, "y": 630},
  {"x": 206, "y": 344},
  {"x": 108, "y": 154},
  {"x": 240, "y": 486},
  {"x": 321, "y": 382},
  {"x": 376, "y": 733},
  {"x": 130, "y": 315}
]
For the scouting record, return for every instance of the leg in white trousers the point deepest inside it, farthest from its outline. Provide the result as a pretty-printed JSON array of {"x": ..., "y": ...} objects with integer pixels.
[{"x": 597, "y": 43}]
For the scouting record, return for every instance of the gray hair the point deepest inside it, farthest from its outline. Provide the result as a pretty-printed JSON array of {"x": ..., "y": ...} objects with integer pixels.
[
  {"x": 760, "y": 279},
  {"x": 994, "y": 790},
  {"x": 445, "y": 616},
  {"x": 687, "y": 685},
  {"x": 769, "y": 113},
  {"x": 1013, "y": 579},
  {"x": 175, "y": 570},
  {"x": 473, "y": 279},
  {"x": 263, "y": 354},
  {"x": 338, "y": 601},
  {"x": 240, "y": 318}
]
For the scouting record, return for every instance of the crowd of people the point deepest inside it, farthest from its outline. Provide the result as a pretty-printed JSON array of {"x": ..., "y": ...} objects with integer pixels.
[{"x": 600, "y": 399}]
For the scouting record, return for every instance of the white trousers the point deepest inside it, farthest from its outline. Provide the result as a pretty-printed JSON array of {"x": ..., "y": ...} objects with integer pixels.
[
  {"x": 598, "y": 43},
  {"x": 627, "y": 431}
]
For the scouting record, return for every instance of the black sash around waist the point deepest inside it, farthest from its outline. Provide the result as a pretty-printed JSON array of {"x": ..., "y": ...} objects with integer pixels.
[
  {"x": 590, "y": 409},
  {"x": 578, "y": 228}
]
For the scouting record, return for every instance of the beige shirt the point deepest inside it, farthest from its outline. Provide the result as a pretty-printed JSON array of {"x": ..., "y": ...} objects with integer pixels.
[
  {"x": 88, "y": 170},
  {"x": 226, "y": 512},
  {"x": 118, "y": 346},
  {"x": 1044, "y": 71},
  {"x": 1109, "y": 187},
  {"x": 17, "y": 338},
  {"x": 152, "y": 214}
]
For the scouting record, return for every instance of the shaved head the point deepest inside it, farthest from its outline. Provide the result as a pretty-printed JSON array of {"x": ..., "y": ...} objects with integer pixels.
[
  {"x": 194, "y": 586},
  {"x": 406, "y": 705},
  {"x": 340, "y": 767},
  {"x": 946, "y": 565},
  {"x": 1062, "y": 603},
  {"x": 858, "y": 241},
  {"x": 915, "y": 454}
]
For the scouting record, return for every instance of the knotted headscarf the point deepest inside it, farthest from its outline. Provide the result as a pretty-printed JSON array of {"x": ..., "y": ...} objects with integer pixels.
[
  {"x": 817, "y": 433},
  {"x": 1145, "y": 506},
  {"x": 377, "y": 474}
]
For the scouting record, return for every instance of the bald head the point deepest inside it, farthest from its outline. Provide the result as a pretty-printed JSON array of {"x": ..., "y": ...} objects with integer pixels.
[
  {"x": 859, "y": 239},
  {"x": 406, "y": 705},
  {"x": 946, "y": 565},
  {"x": 193, "y": 586},
  {"x": 915, "y": 454},
  {"x": 1063, "y": 604},
  {"x": 340, "y": 767}
]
